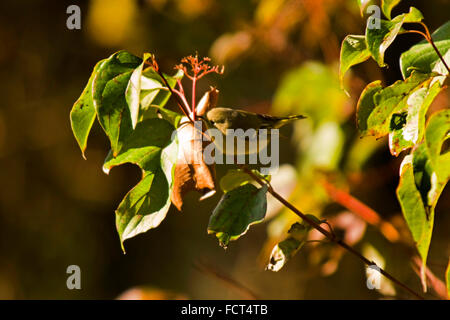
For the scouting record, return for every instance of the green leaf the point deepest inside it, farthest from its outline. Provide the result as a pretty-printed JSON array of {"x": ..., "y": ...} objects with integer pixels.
[
  {"x": 82, "y": 115},
  {"x": 363, "y": 4},
  {"x": 113, "y": 113},
  {"x": 410, "y": 129},
  {"x": 172, "y": 117},
  {"x": 379, "y": 39},
  {"x": 154, "y": 92},
  {"x": 109, "y": 87},
  {"x": 235, "y": 178},
  {"x": 287, "y": 248},
  {"x": 398, "y": 110},
  {"x": 133, "y": 91},
  {"x": 424, "y": 58},
  {"x": 236, "y": 211},
  {"x": 387, "y": 5},
  {"x": 144, "y": 145},
  {"x": 283, "y": 252},
  {"x": 438, "y": 131},
  {"x": 146, "y": 205},
  {"x": 418, "y": 192},
  {"x": 353, "y": 51},
  {"x": 118, "y": 63},
  {"x": 146, "y": 88},
  {"x": 366, "y": 105}
]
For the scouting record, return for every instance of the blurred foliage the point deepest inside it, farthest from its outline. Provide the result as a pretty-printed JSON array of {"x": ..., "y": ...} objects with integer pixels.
[{"x": 57, "y": 209}]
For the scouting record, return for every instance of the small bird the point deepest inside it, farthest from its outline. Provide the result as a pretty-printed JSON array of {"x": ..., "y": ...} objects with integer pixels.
[{"x": 227, "y": 118}]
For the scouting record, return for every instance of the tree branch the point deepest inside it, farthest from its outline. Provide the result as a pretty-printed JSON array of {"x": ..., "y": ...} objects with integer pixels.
[{"x": 326, "y": 233}]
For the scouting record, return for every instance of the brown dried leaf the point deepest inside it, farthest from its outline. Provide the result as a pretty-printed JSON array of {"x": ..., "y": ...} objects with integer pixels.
[
  {"x": 191, "y": 171},
  {"x": 208, "y": 101}
]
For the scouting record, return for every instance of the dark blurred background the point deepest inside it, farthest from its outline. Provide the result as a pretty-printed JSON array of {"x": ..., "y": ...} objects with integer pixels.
[{"x": 57, "y": 209}]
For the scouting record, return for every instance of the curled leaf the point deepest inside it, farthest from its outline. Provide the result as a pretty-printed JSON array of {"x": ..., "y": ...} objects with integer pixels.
[
  {"x": 208, "y": 101},
  {"x": 191, "y": 171},
  {"x": 286, "y": 249},
  {"x": 387, "y": 6}
]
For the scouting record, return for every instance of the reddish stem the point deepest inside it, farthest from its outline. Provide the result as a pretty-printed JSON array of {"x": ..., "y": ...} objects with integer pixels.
[
  {"x": 428, "y": 37},
  {"x": 194, "y": 82}
]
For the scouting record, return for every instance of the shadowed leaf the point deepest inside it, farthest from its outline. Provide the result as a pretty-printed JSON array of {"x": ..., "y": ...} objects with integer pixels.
[
  {"x": 82, "y": 115},
  {"x": 109, "y": 87},
  {"x": 236, "y": 211}
]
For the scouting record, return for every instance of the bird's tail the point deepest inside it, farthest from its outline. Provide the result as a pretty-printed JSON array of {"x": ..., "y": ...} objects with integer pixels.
[{"x": 284, "y": 120}]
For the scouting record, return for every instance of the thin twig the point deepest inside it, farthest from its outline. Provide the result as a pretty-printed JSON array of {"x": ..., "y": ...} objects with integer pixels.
[
  {"x": 194, "y": 82},
  {"x": 182, "y": 104},
  {"x": 428, "y": 37},
  {"x": 235, "y": 285},
  {"x": 326, "y": 233}
]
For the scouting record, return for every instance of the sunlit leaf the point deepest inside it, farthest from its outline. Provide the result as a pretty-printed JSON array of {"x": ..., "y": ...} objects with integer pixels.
[
  {"x": 418, "y": 192},
  {"x": 363, "y": 4},
  {"x": 379, "y": 39},
  {"x": 353, "y": 51},
  {"x": 236, "y": 211},
  {"x": 133, "y": 91},
  {"x": 153, "y": 90},
  {"x": 82, "y": 115},
  {"x": 366, "y": 105},
  {"x": 387, "y": 5},
  {"x": 410, "y": 127},
  {"x": 398, "y": 110},
  {"x": 287, "y": 248},
  {"x": 423, "y": 57},
  {"x": 143, "y": 147},
  {"x": 283, "y": 252},
  {"x": 146, "y": 205},
  {"x": 437, "y": 132},
  {"x": 235, "y": 178}
]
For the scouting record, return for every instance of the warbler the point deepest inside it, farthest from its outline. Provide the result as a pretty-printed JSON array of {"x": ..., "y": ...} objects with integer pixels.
[{"x": 225, "y": 119}]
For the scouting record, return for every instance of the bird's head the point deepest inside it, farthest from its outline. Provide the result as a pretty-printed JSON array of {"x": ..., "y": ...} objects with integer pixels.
[{"x": 218, "y": 118}]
